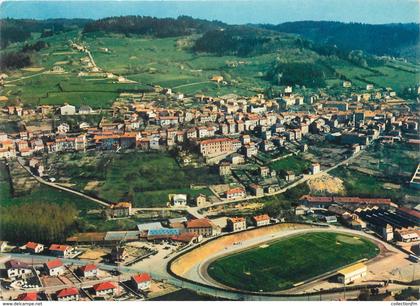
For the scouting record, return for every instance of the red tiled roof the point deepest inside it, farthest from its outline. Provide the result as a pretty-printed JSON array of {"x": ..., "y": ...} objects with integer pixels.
[
  {"x": 104, "y": 286},
  {"x": 58, "y": 247},
  {"x": 28, "y": 296},
  {"x": 409, "y": 211},
  {"x": 184, "y": 237},
  {"x": 198, "y": 223},
  {"x": 67, "y": 292},
  {"x": 142, "y": 277},
  {"x": 88, "y": 268},
  {"x": 54, "y": 264},
  {"x": 216, "y": 140},
  {"x": 261, "y": 217},
  {"x": 31, "y": 245},
  {"x": 237, "y": 219},
  {"x": 234, "y": 190}
]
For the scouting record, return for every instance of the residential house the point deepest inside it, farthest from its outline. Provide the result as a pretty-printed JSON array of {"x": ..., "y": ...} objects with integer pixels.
[
  {"x": 179, "y": 200},
  {"x": 203, "y": 227},
  {"x": 59, "y": 250},
  {"x": 120, "y": 210},
  {"x": 68, "y": 294},
  {"x": 33, "y": 247},
  {"x": 141, "y": 282},
  {"x": 236, "y": 224},
  {"x": 235, "y": 193},
  {"x": 89, "y": 270},
  {"x": 200, "y": 200},
  {"x": 261, "y": 220},
  {"x": 54, "y": 267},
  {"x": 17, "y": 269},
  {"x": 106, "y": 288}
]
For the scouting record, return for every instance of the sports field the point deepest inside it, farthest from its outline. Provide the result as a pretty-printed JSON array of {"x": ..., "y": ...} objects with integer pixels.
[{"x": 279, "y": 265}]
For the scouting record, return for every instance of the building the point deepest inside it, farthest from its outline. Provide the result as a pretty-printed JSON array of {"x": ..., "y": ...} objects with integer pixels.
[
  {"x": 407, "y": 235},
  {"x": 412, "y": 215},
  {"x": 315, "y": 168},
  {"x": 218, "y": 146},
  {"x": 59, "y": 250},
  {"x": 106, "y": 288},
  {"x": 256, "y": 190},
  {"x": 88, "y": 270},
  {"x": 179, "y": 200},
  {"x": 28, "y": 296},
  {"x": 236, "y": 224},
  {"x": 54, "y": 267},
  {"x": 203, "y": 227},
  {"x": 352, "y": 273},
  {"x": 33, "y": 247},
  {"x": 68, "y": 294},
  {"x": 224, "y": 169},
  {"x": 120, "y": 210},
  {"x": 235, "y": 193},
  {"x": 141, "y": 282},
  {"x": 17, "y": 269},
  {"x": 200, "y": 200},
  {"x": 67, "y": 110},
  {"x": 261, "y": 220}
]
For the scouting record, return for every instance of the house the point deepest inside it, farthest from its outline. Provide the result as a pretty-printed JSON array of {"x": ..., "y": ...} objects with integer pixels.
[
  {"x": 330, "y": 219},
  {"x": 315, "y": 168},
  {"x": 346, "y": 84},
  {"x": 28, "y": 296},
  {"x": 217, "y": 146},
  {"x": 236, "y": 224},
  {"x": 34, "y": 247},
  {"x": 68, "y": 294},
  {"x": 141, "y": 282},
  {"x": 54, "y": 267},
  {"x": 203, "y": 227},
  {"x": 63, "y": 128},
  {"x": 256, "y": 190},
  {"x": 289, "y": 176},
  {"x": 350, "y": 274},
  {"x": 59, "y": 250},
  {"x": 89, "y": 270},
  {"x": 179, "y": 200},
  {"x": 106, "y": 288},
  {"x": 200, "y": 200},
  {"x": 261, "y": 220},
  {"x": 120, "y": 210},
  {"x": 17, "y": 269},
  {"x": 235, "y": 193},
  {"x": 67, "y": 109},
  {"x": 224, "y": 169}
]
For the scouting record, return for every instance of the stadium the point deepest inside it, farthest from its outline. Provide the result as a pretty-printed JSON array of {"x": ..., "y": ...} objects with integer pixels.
[{"x": 275, "y": 259}]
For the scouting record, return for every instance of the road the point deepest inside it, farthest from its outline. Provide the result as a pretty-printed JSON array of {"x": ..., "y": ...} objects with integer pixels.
[{"x": 57, "y": 186}]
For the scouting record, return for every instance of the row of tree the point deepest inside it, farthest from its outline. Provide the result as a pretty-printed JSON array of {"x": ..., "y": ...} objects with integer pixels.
[
  {"x": 157, "y": 27},
  {"x": 383, "y": 39},
  {"x": 37, "y": 222}
]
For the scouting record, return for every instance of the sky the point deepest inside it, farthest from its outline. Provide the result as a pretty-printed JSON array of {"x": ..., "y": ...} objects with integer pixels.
[{"x": 229, "y": 11}]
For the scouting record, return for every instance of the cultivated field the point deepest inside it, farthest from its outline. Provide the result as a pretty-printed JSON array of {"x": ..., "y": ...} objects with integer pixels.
[{"x": 280, "y": 265}]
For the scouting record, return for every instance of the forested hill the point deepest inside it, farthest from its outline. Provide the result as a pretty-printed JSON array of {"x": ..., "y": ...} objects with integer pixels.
[
  {"x": 157, "y": 27},
  {"x": 386, "y": 39},
  {"x": 18, "y": 30}
]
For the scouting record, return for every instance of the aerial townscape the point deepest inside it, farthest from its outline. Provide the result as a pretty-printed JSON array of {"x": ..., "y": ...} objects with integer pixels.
[{"x": 167, "y": 159}]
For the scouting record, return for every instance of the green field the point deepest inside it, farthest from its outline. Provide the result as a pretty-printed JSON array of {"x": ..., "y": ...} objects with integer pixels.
[
  {"x": 290, "y": 261},
  {"x": 144, "y": 178},
  {"x": 41, "y": 194},
  {"x": 292, "y": 163}
]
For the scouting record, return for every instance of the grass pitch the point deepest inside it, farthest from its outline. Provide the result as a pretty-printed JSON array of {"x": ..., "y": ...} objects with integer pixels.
[{"x": 290, "y": 261}]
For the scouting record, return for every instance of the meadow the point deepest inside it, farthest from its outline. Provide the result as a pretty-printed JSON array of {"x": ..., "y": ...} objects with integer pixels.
[
  {"x": 286, "y": 262},
  {"x": 145, "y": 178}
]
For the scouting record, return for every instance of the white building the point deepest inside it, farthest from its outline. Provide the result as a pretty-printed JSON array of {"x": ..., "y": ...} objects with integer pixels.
[
  {"x": 68, "y": 110},
  {"x": 179, "y": 200}
]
